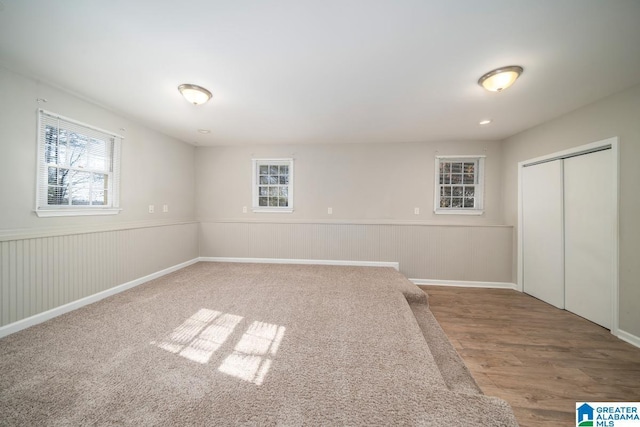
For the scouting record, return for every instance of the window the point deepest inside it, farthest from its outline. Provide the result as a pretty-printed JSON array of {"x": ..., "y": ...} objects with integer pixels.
[
  {"x": 273, "y": 185},
  {"x": 78, "y": 168},
  {"x": 459, "y": 185}
]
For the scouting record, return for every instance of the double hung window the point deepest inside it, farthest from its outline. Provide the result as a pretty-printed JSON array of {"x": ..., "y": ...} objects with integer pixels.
[
  {"x": 78, "y": 168},
  {"x": 273, "y": 185},
  {"x": 459, "y": 185}
]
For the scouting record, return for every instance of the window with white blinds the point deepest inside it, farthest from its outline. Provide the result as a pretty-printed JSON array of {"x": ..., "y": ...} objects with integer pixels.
[
  {"x": 78, "y": 168},
  {"x": 273, "y": 185},
  {"x": 459, "y": 185}
]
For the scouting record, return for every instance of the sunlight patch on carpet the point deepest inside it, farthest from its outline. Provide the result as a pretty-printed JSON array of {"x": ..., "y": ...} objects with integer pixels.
[
  {"x": 251, "y": 357},
  {"x": 198, "y": 337}
]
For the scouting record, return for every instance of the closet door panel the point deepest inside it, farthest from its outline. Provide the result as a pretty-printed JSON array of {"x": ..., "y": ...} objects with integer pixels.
[
  {"x": 588, "y": 194},
  {"x": 543, "y": 249}
]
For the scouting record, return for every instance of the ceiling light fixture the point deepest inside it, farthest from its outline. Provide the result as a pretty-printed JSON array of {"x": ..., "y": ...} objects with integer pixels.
[
  {"x": 501, "y": 78},
  {"x": 194, "y": 94},
  {"x": 485, "y": 122},
  {"x": 204, "y": 131}
]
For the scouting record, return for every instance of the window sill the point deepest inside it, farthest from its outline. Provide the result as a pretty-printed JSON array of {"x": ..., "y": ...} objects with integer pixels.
[
  {"x": 272, "y": 210},
  {"x": 458, "y": 212},
  {"x": 45, "y": 213}
]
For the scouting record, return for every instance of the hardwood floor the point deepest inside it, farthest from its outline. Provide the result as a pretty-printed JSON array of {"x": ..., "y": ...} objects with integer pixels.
[{"x": 540, "y": 359}]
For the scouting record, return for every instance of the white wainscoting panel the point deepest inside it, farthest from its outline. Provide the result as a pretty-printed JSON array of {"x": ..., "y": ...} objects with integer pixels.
[
  {"x": 446, "y": 252},
  {"x": 38, "y": 274}
]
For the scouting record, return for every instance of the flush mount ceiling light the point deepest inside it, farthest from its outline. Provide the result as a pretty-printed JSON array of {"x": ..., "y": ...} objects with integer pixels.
[
  {"x": 484, "y": 122},
  {"x": 194, "y": 94},
  {"x": 204, "y": 131},
  {"x": 501, "y": 78}
]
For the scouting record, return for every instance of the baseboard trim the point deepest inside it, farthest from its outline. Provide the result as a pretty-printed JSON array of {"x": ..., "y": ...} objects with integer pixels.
[
  {"x": 464, "y": 284},
  {"x": 630, "y": 338},
  {"x": 74, "y": 305},
  {"x": 395, "y": 265}
]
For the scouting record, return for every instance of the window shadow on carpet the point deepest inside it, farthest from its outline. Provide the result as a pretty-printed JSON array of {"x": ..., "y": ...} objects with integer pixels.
[
  {"x": 251, "y": 357},
  {"x": 202, "y": 334}
]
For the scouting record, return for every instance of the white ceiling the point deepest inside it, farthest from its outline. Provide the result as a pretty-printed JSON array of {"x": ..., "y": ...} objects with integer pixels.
[{"x": 296, "y": 71}]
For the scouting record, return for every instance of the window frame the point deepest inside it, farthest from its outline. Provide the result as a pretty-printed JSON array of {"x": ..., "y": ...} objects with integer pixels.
[
  {"x": 478, "y": 209},
  {"x": 42, "y": 208},
  {"x": 255, "y": 184}
]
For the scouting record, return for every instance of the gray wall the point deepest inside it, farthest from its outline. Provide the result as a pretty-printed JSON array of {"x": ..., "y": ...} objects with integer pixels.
[
  {"x": 359, "y": 181},
  {"x": 156, "y": 169},
  {"x": 48, "y": 262},
  {"x": 373, "y": 190},
  {"x": 617, "y": 115}
]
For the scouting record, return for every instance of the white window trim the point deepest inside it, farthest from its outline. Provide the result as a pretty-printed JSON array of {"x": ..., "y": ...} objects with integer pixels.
[
  {"x": 51, "y": 212},
  {"x": 254, "y": 185},
  {"x": 479, "y": 210},
  {"x": 41, "y": 177}
]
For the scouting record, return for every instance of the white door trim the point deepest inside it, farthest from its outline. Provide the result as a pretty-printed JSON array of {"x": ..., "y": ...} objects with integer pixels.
[{"x": 582, "y": 149}]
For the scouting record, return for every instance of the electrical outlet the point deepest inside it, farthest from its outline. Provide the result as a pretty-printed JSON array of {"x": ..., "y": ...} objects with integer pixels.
[
  {"x": 165, "y": 208},
  {"x": 416, "y": 211},
  {"x": 244, "y": 209},
  {"x": 152, "y": 209},
  {"x": 330, "y": 211}
]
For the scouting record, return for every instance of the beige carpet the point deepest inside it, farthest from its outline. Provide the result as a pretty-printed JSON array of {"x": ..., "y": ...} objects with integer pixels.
[{"x": 246, "y": 344}]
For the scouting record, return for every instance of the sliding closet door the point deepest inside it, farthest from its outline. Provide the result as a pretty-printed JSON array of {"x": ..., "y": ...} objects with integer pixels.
[
  {"x": 543, "y": 249},
  {"x": 589, "y": 236}
]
